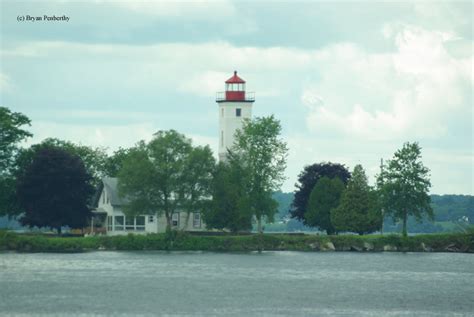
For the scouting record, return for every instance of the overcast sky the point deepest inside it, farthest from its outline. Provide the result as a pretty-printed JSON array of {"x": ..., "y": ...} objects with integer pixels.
[{"x": 350, "y": 81}]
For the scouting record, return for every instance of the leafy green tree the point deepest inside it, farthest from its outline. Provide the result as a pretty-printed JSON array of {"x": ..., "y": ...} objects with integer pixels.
[
  {"x": 11, "y": 133},
  {"x": 308, "y": 178},
  {"x": 263, "y": 154},
  {"x": 54, "y": 190},
  {"x": 198, "y": 174},
  {"x": 114, "y": 162},
  {"x": 324, "y": 197},
  {"x": 155, "y": 177},
  {"x": 357, "y": 210},
  {"x": 404, "y": 185},
  {"x": 229, "y": 208}
]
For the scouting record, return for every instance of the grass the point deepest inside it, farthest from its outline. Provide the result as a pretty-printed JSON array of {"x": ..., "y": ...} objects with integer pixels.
[{"x": 444, "y": 242}]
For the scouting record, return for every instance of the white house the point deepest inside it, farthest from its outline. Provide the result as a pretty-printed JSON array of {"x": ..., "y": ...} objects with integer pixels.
[
  {"x": 235, "y": 105},
  {"x": 109, "y": 216}
]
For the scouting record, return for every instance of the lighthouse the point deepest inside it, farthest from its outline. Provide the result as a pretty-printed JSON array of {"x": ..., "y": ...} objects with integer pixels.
[{"x": 235, "y": 105}]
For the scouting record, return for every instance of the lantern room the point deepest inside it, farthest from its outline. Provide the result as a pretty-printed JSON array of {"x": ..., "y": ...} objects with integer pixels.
[{"x": 235, "y": 90}]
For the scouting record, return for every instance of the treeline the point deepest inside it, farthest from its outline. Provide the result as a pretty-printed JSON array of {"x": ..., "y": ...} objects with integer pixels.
[
  {"x": 51, "y": 184},
  {"x": 450, "y": 212}
]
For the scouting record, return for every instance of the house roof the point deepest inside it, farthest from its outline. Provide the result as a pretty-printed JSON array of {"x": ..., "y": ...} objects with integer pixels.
[{"x": 110, "y": 183}]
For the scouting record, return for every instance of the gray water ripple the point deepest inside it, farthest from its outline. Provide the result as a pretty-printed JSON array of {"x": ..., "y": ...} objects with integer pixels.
[{"x": 236, "y": 284}]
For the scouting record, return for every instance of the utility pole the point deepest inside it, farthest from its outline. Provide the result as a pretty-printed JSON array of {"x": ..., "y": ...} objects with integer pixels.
[{"x": 383, "y": 211}]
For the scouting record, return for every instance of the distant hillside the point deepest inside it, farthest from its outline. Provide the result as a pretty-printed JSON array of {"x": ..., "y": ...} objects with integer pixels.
[
  {"x": 448, "y": 209},
  {"x": 453, "y": 207}
]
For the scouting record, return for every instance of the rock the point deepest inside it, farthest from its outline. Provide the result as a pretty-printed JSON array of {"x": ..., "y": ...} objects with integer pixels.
[
  {"x": 314, "y": 246},
  {"x": 356, "y": 248},
  {"x": 346, "y": 248},
  {"x": 328, "y": 246},
  {"x": 452, "y": 248},
  {"x": 368, "y": 246},
  {"x": 425, "y": 248},
  {"x": 389, "y": 247}
]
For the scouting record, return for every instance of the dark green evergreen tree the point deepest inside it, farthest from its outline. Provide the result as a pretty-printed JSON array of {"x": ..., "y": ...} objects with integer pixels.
[{"x": 357, "y": 210}]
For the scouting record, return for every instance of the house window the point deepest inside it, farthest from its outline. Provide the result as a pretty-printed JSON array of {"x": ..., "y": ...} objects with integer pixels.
[
  {"x": 108, "y": 199},
  {"x": 140, "y": 223},
  {"x": 151, "y": 219},
  {"x": 109, "y": 223},
  {"x": 197, "y": 220},
  {"x": 119, "y": 221},
  {"x": 175, "y": 219},
  {"x": 238, "y": 112},
  {"x": 129, "y": 223}
]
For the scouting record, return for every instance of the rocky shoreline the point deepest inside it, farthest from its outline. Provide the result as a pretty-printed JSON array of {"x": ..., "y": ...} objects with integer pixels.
[{"x": 455, "y": 242}]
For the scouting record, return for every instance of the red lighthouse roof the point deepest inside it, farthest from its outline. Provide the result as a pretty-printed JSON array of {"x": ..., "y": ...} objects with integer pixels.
[{"x": 235, "y": 79}]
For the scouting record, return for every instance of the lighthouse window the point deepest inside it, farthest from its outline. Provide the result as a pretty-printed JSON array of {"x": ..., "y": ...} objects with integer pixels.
[
  {"x": 222, "y": 138},
  {"x": 238, "y": 112}
]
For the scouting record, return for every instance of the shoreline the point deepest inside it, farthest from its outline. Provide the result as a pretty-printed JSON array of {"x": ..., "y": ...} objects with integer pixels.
[{"x": 446, "y": 242}]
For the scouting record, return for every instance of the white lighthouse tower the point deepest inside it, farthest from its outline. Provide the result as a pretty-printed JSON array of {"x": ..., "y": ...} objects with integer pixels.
[{"x": 235, "y": 105}]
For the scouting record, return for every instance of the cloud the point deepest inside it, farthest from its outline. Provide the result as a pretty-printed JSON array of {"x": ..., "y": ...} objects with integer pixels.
[
  {"x": 221, "y": 9},
  {"x": 420, "y": 89},
  {"x": 5, "y": 84},
  {"x": 111, "y": 137},
  {"x": 350, "y": 102}
]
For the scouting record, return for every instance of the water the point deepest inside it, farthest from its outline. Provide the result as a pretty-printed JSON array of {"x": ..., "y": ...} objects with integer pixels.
[{"x": 223, "y": 284}]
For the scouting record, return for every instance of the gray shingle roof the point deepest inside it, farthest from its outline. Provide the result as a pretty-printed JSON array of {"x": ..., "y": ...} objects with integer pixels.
[{"x": 110, "y": 183}]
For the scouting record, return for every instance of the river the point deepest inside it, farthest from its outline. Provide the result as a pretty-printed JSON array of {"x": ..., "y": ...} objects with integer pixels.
[{"x": 237, "y": 284}]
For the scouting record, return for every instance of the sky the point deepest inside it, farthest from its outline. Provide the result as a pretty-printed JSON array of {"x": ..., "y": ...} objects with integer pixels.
[{"x": 350, "y": 81}]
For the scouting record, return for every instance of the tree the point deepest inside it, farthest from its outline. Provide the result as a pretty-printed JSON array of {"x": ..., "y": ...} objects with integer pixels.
[
  {"x": 324, "y": 197},
  {"x": 404, "y": 185},
  {"x": 229, "y": 207},
  {"x": 198, "y": 174},
  {"x": 308, "y": 178},
  {"x": 11, "y": 133},
  {"x": 357, "y": 210},
  {"x": 93, "y": 158},
  {"x": 155, "y": 177},
  {"x": 54, "y": 190},
  {"x": 114, "y": 162},
  {"x": 263, "y": 154}
]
